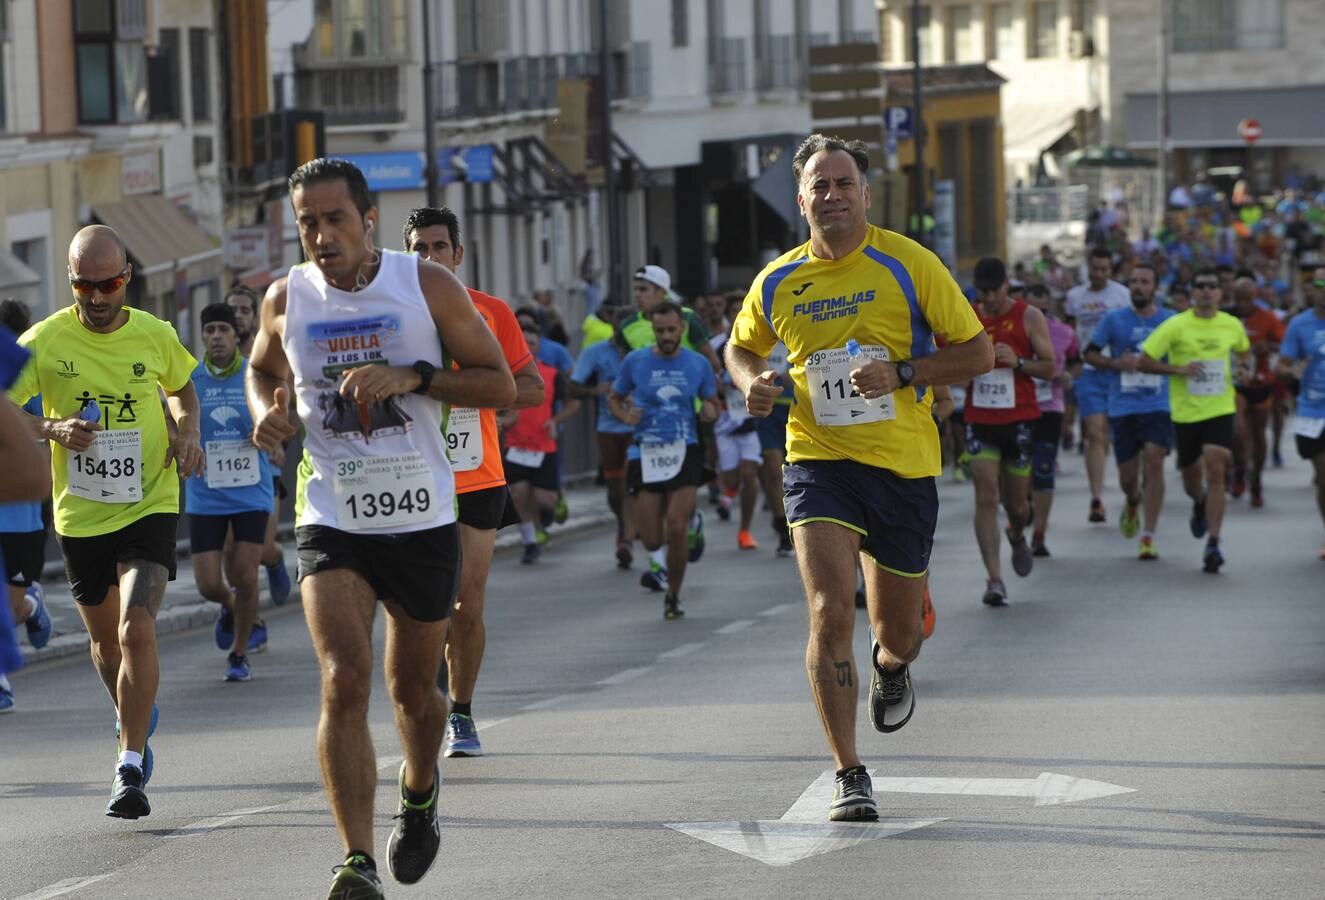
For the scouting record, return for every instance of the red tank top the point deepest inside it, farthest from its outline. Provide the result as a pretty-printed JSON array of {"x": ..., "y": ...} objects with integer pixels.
[
  {"x": 1004, "y": 395},
  {"x": 530, "y": 429}
]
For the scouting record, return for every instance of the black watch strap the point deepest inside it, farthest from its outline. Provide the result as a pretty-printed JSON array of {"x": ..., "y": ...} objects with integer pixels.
[
  {"x": 425, "y": 370},
  {"x": 906, "y": 374}
]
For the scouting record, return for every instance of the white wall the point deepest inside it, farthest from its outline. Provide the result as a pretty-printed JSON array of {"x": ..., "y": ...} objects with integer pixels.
[{"x": 22, "y": 72}]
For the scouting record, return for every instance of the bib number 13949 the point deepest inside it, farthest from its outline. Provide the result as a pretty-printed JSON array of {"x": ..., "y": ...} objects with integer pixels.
[{"x": 384, "y": 492}]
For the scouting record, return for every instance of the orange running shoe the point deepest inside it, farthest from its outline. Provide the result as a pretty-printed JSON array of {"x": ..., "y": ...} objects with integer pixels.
[
  {"x": 746, "y": 541},
  {"x": 927, "y": 614}
]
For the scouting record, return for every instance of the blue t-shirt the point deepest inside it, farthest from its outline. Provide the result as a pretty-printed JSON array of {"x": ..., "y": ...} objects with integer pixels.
[
  {"x": 666, "y": 390},
  {"x": 22, "y": 518},
  {"x": 1305, "y": 339},
  {"x": 555, "y": 355},
  {"x": 225, "y": 417},
  {"x": 599, "y": 364},
  {"x": 1131, "y": 393}
]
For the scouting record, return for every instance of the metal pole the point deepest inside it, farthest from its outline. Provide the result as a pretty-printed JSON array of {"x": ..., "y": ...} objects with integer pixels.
[
  {"x": 615, "y": 270},
  {"x": 917, "y": 125},
  {"x": 429, "y": 112},
  {"x": 1162, "y": 113}
]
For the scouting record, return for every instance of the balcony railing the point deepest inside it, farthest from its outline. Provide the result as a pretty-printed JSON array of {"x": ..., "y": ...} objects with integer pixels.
[
  {"x": 727, "y": 65},
  {"x": 778, "y": 66},
  {"x": 352, "y": 96}
]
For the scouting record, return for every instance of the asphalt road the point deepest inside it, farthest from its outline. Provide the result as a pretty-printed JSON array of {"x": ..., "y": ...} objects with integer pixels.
[{"x": 1204, "y": 696}]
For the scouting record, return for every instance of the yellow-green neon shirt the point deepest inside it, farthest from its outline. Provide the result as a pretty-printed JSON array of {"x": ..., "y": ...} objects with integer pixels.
[
  {"x": 1187, "y": 338},
  {"x": 594, "y": 330},
  {"x": 122, "y": 370},
  {"x": 889, "y": 291}
]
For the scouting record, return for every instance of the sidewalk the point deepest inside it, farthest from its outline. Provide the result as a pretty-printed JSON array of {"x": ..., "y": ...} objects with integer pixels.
[{"x": 184, "y": 608}]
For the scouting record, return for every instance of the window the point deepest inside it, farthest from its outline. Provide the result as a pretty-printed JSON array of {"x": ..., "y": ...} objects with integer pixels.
[
  {"x": 680, "y": 23},
  {"x": 324, "y": 29},
  {"x": 111, "y": 62},
  {"x": 1205, "y": 25},
  {"x": 1002, "y": 37},
  {"x": 960, "y": 36},
  {"x": 200, "y": 75},
  {"x": 163, "y": 75},
  {"x": 481, "y": 26},
  {"x": 845, "y": 20},
  {"x": 1044, "y": 29}
]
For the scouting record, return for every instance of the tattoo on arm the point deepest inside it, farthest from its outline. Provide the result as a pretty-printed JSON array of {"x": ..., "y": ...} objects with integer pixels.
[
  {"x": 143, "y": 584},
  {"x": 845, "y": 677}
]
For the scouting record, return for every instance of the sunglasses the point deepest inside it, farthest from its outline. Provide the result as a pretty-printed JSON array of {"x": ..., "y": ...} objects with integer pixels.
[
  {"x": 1205, "y": 285},
  {"x": 85, "y": 288}
]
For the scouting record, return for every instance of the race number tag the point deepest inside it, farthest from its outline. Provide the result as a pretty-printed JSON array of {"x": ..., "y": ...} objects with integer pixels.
[
  {"x": 994, "y": 390},
  {"x": 736, "y": 404},
  {"x": 1044, "y": 391},
  {"x": 232, "y": 464},
  {"x": 1212, "y": 381},
  {"x": 835, "y": 401},
  {"x": 111, "y": 470},
  {"x": 1139, "y": 381},
  {"x": 384, "y": 492},
  {"x": 1308, "y": 428},
  {"x": 530, "y": 459},
  {"x": 661, "y": 462},
  {"x": 464, "y": 439}
]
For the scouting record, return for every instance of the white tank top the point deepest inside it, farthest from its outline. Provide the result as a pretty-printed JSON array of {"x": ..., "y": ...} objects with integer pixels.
[{"x": 377, "y": 468}]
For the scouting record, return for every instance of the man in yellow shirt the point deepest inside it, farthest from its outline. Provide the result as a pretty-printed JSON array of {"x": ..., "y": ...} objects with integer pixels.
[
  {"x": 98, "y": 366},
  {"x": 858, "y": 309}
]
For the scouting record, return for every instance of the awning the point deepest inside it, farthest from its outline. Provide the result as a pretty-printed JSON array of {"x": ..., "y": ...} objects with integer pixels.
[
  {"x": 15, "y": 274},
  {"x": 158, "y": 234},
  {"x": 1210, "y": 118}
]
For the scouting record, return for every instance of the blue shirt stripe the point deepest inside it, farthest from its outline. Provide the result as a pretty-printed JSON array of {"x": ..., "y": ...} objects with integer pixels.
[
  {"x": 771, "y": 286},
  {"x": 922, "y": 336}
]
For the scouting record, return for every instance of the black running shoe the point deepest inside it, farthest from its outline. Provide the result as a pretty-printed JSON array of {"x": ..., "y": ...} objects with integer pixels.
[
  {"x": 853, "y": 798},
  {"x": 356, "y": 879},
  {"x": 1197, "y": 522},
  {"x": 891, "y": 699},
  {"x": 672, "y": 607},
  {"x": 127, "y": 798},
  {"x": 995, "y": 594},
  {"x": 416, "y": 837},
  {"x": 1212, "y": 559},
  {"x": 785, "y": 548}
]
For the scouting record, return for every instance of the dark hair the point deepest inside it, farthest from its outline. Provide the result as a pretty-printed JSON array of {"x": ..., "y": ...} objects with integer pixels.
[
  {"x": 1099, "y": 251},
  {"x": 243, "y": 290},
  {"x": 526, "y": 311},
  {"x": 1146, "y": 265},
  {"x": 816, "y": 142},
  {"x": 1206, "y": 270},
  {"x": 219, "y": 312},
  {"x": 427, "y": 216},
  {"x": 1244, "y": 273},
  {"x": 1222, "y": 268},
  {"x": 667, "y": 306},
  {"x": 15, "y": 315},
  {"x": 1180, "y": 288},
  {"x": 1037, "y": 290},
  {"x": 327, "y": 169},
  {"x": 990, "y": 273}
]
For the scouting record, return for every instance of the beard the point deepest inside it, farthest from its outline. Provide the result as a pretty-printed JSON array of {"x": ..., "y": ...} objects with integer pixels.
[{"x": 1140, "y": 302}]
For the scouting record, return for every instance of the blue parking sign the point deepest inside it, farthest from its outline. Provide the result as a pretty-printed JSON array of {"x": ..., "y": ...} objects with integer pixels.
[{"x": 897, "y": 121}]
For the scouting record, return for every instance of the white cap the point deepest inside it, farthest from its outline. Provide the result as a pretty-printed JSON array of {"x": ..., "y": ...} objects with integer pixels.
[{"x": 654, "y": 275}]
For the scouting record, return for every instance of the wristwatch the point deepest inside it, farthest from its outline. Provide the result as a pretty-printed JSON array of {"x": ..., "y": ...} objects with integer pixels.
[
  {"x": 425, "y": 370},
  {"x": 1020, "y": 362},
  {"x": 906, "y": 373}
]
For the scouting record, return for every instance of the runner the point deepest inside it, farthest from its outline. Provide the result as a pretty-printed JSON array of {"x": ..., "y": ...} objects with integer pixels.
[
  {"x": 1048, "y": 430},
  {"x": 1001, "y": 413},
  {"x": 1198, "y": 344},
  {"x": 656, "y": 391},
  {"x": 1086, "y": 305},
  {"x": 553, "y": 353},
  {"x": 1140, "y": 422},
  {"x": 772, "y": 431},
  {"x": 484, "y": 503},
  {"x": 361, "y": 332},
  {"x": 862, "y": 448},
  {"x": 235, "y": 497},
  {"x": 739, "y": 453},
  {"x": 1256, "y": 397},
  {"x": 1302, "y": 356},
  {"x": 100, "y": 367}
]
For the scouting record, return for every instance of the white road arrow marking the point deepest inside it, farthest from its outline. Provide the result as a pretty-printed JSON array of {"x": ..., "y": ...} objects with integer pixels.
[{"x": 1048, "y": 789}]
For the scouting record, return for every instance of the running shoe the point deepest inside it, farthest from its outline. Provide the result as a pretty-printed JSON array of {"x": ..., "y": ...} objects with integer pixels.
[
  {"x": 237, "y": 668},
  {"x": 1038, "y": 547},
  {"x": 257, "y": 638},
  {"x": 1068, "y": 440},
  {"x": 540, "y": 537},
  {"x": 356, "y": 879},
  {"x": 1096, "y": 511},
  {"x": 1022, "y": 561},
  {"x": 412, "y": 847},
  {"x": 746, "y": 541},
  {"x": 6, "y": 700},
  {"x": 853, "y": 797},
  {"x": 39, "y": 623},
  {"x": 1212, "y": 559},
  {"x": 1129, "y": 523},
  {"x": 785, "y": 548},
  {"x": 224, "y": 630},
  {"x": 127, "y": 798},
  {"x": 1238, "y": 482},
  {"x": 672, "y": 607},
  {"x": 725, "y": 508},
  {"x": 530, "y": 555},
  {"x": 560, "y": 511},
  {"x": 278, "y": 583},
  {"x": 1146, "y": 548},
  {"x": 624, "y": 555},
  {"x": 891, "y": 699},
  {"x": 461, "y": 737},
  {"x": 995, "y": 593},
  {"x": 927, "y": 616},
  {"x": 696, "y": 537},
  {"x": 655, "y": 579},
  {"x": 147, "y": 747},
  {"x": 1197, "y": 523},
  {"x": 1277, "y": 459}
]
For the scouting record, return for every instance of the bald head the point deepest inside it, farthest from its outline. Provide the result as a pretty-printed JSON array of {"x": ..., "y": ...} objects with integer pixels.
[
  {"x": 99, "y": 274},
  {"x": 96, "y": 246}
]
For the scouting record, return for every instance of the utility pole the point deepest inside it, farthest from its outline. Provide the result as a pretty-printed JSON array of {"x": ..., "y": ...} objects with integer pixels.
[
  {"x": 615, "y": 271},
  {"x": 429, "y": 112},
  {"x": 1162, "y": 113},
  {"x": 918, "y": 124}
]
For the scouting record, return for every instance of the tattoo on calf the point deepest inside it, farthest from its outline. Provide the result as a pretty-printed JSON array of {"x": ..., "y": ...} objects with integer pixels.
[
  {"x": 845, "y": 678},
  {"x": 143, "y": 584}
]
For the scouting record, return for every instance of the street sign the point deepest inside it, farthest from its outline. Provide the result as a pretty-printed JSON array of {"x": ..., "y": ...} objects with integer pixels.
[
  {"x": 897, "y": 119},
  {"x": 1249, "y": 130}
]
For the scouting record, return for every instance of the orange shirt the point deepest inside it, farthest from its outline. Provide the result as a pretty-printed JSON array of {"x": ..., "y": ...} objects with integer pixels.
[
  {"x": 489, "y": 472},
  {"x": 1263, "y": 327}
]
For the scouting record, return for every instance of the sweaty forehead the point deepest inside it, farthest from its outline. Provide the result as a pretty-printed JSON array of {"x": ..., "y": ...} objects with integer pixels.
[
  {"x": 322, "y": 197},
  {"x": 830, "y": 164},
  {"x": 96, "y": 260}
]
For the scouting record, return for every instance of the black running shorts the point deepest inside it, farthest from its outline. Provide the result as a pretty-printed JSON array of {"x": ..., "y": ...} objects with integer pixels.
[{"x": 92, "y": 561}]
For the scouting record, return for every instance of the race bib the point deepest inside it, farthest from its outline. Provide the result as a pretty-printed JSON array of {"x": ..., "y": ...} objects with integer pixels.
[
  {"x": 111, "y": 470},
  {"x": 1212, "y": 381},
  {"x": 735, "y": 403},
  {"x": 1308, "y": 428},
  {"x": 1044, "y": 391},
  {"x": 384, "y": 492},
  {"x": 661, "y": 462},
  {"x": 1139, "y": 381},
  {"x": 232, "y": 464},
  {"x": 835, "y": 401},
  {"x": 995, "y": 389},
  {"x": 464, "y": 439},
  {"x": 530, "y": 459}
]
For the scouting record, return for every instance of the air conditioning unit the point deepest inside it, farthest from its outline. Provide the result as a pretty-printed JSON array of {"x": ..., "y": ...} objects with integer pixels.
[{"x": 1080, "y": 45}]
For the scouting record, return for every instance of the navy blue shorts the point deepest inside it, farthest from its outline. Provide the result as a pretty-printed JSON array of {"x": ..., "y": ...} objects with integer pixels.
[
  {"x": 1131, "y": 433},
  {"x": 895, "y": 516},
  {"x": 772, "y": 429}
]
